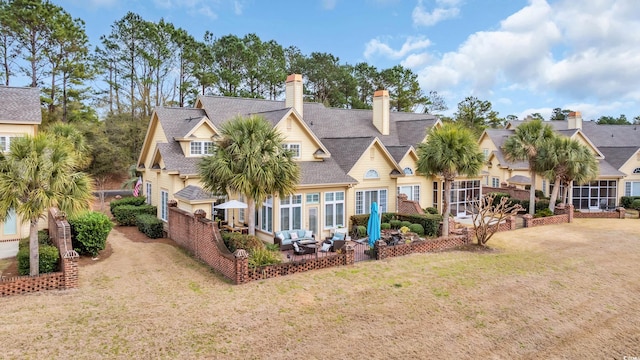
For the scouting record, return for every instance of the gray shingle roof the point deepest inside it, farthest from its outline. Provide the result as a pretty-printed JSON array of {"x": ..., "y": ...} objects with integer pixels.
[
  {"x": 617, "y": 156},
  {"x": 398, "y": 152},
  {"x": 612, "y": 135},
  {"x": 347, "y": 151},
  {"x": 174, "y": 159},
  {"x": 324, "y": 173},
  {"x": 177, "y": 122},
  {"x": 192, "y": 193},
  {"x": 20, "y": 105},
  {"x": 606, "y": 169},
  {"x": 519, "y": 179}
]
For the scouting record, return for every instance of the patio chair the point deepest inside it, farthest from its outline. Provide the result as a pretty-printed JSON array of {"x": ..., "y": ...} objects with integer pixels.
[{"x": 299, "y": 249}]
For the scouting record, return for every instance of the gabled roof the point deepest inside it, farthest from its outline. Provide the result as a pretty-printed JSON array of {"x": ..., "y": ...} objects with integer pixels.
[
  {"x": 175, "y": 161},
  {"x": 20, "y": 105},
  {"x": 347, "y": 151},
  {"x": 606, "y": 169},
  {"x": 612, "y": 135},
  {"x": 399, "y": 152},
  {"x": 178, "y": 122},
  {"x": 618, "y": 156},
  {"x": 194, "y": 193},
  {"x": 324, "y": 172}
]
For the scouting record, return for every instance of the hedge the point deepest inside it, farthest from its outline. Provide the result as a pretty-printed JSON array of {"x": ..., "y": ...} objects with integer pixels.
[
  {"x": 126, "y": 214},
  {"x": 43, "y": 239},
  {"x": 150, "y": 225},
  {"x": 89, "y": 232},
  {"x": 49, "y": 257},
  {"x": 430, "y": 222},
  {"x": 129, "y": 200},
  {"x": 626, "y": 201}
]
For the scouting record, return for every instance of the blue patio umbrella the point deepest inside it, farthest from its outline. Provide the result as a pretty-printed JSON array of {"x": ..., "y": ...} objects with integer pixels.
[{"x": 373, "y": 226}]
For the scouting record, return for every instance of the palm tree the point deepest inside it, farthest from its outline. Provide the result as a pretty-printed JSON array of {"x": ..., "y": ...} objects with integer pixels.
[
  {"x": 39, "y": 172},
  {"x": 585, "y": 169},
  {"x": 565, "y": 158},
  {"x": 249, "y": 159},
  {"x": 449, "y": 151},
  {"x": 524, "y": 145},
  {"x": 82, "y": 150}
]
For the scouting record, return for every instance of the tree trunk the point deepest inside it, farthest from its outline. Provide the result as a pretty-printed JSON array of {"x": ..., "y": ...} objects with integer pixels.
[
  {"x": 446, "y": 210},
  {"x": 554, "y": 194},
  {"x": 34, "y": 251},
  {"x": 532, "y": 193},
  {"x": 251, "y": 208}
]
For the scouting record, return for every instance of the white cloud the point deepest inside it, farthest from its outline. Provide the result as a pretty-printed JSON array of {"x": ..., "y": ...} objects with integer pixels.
[
  {"x": 376, "y": 46},
  {"x": 238, "y": 7},
  {"x": 445, "y": 9}
]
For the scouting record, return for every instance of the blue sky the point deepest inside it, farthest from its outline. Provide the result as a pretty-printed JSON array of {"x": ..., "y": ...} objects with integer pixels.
[{"x": 524, "y": 56}]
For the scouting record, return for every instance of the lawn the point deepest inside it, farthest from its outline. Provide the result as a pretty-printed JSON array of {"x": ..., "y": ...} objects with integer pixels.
[{"x": 560, "y": 291}]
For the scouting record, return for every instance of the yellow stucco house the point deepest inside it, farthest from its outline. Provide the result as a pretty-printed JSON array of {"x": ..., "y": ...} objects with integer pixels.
[
  {"x": 348, "y": 159},
  {"x": 615, "y": 147},
  {"x": 19, "y": 116}
]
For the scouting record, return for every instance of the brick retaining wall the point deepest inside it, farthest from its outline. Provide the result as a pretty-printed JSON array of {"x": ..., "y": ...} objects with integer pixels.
[{"x": 67, "y": 278}]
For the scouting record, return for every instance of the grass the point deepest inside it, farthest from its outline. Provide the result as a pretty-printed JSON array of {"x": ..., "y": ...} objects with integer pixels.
[
  {"x": 549, "y": 292},
  {"x": 4, "y": 263}
]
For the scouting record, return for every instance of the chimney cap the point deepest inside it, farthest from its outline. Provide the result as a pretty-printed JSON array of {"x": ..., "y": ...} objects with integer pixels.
[
  {"x": 381, "y": 93},
  {"x": 294, "y": 77},
  {"x": 575, "y": 113}
]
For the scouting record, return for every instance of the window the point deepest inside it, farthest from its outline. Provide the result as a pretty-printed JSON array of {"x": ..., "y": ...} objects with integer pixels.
[
  {"x": 291, "y": 212},
  {"x": 201, "y": 147},
  {"x": 148, "y": 192},
  {"x": 294, "y": 148},
  {"x": 544, "y": 187},
  {"x": 313, "y": 198},
  {"x": 599, "y": 194},
  {"x": 408, "y": 171},
  {"x": 333, "y": 209},
  {"x": 636, "y": 170},
  {"x": 164, "y": 199},
  {"x": 371, "y": 174},
  {"x": 5, "y": 143},
  {"x": 11, "y": 223},
  {"x": 412, "y": 191},
  {"x": 632, "y": 188},
  {"x": 365, "y": 198},
  {"x": 241, "y": 211},
  {"x": 265, "y": 217},
  {"x": 462, "y": 194},
  {"x": 495, "y": 182},
  {"x": 436, "y": 194},
  {"x": 485, "y": 152}
]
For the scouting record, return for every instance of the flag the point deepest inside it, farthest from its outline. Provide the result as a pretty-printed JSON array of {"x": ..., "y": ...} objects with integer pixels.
[{"x": 136, "y": 189}]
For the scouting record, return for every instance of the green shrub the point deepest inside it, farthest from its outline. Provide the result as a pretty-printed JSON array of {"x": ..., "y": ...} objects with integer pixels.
[
  {"x": 430, "y": 222},
  {"x": 129, "y": 200},
  {"x": 627, "y": 201},
  {"x": 235, "y": 241},
  {"x": 48, "y": 259},
  {"x": 497, "y": 197},
  {"x": 385, "y": 226},
  {"x": 395, "y": 224},
  {"x": 359, "y": 220},
  {"x": 386, "y": 217},
  {"x": 635, "y": 205},
  {"x": 43, "y": 239},
  {"x": 362, "y": 231},
  {"x": 405, "y": 223},
  {"x": 416, "y": 228},
  {"x": 150, "y": 226},
  {"x": 431, "y": 210},
  {"x": 89, "y": 232},
  {"x": 262, "y": 257},
  {"x": 543, "y": 213},
  {"x": 125, "y": 215},
  {"x": 540, "y": 194}
]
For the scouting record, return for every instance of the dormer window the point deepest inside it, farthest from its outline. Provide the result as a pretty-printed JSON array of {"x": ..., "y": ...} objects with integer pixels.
[
  {"x": 294, "y": 148},
  {"x": 408, "y": 171},
  {"x": 371, "y": 174},
  {"x": 199, "y": 148}
]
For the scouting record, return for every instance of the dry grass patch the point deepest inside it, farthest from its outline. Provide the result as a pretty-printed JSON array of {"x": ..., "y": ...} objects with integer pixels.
[{"x": 546, "y": 292}]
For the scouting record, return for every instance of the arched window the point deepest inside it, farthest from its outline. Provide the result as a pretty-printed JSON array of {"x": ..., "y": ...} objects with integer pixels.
[
  {"x": 371, "y": 174},
  {"x": 408, "y": 171},
  {"x": 636, "y": 170}
]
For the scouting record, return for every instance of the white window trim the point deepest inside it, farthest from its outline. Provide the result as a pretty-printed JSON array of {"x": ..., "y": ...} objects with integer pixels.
[
  {"x": 336, "y": 222},
  {"x": 203, "y": 144},
  {"x": 372, "y": 174},
  {"x": 164, "y": 207},
  {"x": 265, "y": 224},
  {"x": 295, "y": 148},
  {"x": 148, "y": 192},
  {"x": 408, "y": 171},
  {"x": 366, "y": 209},
  {"x": 290, "y": 203}
]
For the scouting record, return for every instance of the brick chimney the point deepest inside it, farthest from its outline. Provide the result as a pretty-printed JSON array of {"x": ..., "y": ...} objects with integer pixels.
[
  {"x": 293, "y": 93},
  {"x": 381, "y": 111},
  {"x": 575, "y": 120}
]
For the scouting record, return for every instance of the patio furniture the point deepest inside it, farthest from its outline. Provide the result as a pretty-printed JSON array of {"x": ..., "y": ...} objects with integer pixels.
[
  {"x": 285, "y": 238},
  {"x": 302, "y": 249}
]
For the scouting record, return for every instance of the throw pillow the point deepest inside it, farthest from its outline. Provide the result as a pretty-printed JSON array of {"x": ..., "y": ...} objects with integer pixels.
[
  {"x": 325, "y": 247},
  {"x": 301, "y": 233},
  {"x": 308, "y": 234},
  {"x": 294, "y": 236},
  {"x": 296, "y": 248},
  {"x": 280, "y": 235},
  {"x": 339, "y": 236}
]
